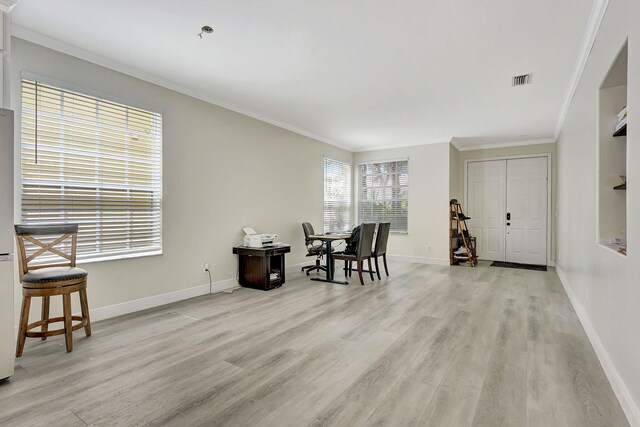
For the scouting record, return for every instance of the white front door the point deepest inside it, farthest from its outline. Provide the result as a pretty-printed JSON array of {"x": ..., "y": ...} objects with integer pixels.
[
  {"x": 485, "y": 206},
  {"x": 526, "y": 218},
  {"x": 507, "y": 203}
]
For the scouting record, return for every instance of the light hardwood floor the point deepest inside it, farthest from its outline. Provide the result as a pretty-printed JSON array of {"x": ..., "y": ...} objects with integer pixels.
[{"x": 429, "y": 346}]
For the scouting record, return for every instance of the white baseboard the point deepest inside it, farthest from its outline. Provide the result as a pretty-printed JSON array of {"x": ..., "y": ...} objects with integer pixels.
[
  {"x": 158, "y": 300},
  {"x": 629, "y": 405},
  {"x": 296, "y": 267},
  {"x": 419, "y": 259}
]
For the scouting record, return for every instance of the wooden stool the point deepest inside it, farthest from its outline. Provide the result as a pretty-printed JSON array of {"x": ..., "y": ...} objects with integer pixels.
[{"x": 57, "y": 274}]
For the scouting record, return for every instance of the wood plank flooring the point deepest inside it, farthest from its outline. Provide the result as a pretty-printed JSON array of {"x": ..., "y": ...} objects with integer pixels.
[{"x": 429, "y": 346}]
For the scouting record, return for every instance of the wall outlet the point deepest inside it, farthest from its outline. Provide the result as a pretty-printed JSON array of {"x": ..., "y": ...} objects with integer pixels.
[
  {"x": 207, "y": 267},
  {"x": 429, "y": 248}
]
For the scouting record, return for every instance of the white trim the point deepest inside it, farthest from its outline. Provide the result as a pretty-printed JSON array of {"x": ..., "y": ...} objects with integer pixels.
[
  {"x": 419, "y": 259},
  {"x": 120, "y": 309},
  {"x": 60, "y": 46},
  {"x": 127, "y": 255},
  {"x": 549, "y": 188},
  {"x": 629, "y": 405},
  {"x": 593, "y": 25},
  {"x": 158, "y": 300},
  {"x": 391, "y": 147},
  {"x": 503, "y": 144},
  {"x": 370, "y": 162},
  {"x": 7, "y": 5},
  {"x": 292, "y": 268}
]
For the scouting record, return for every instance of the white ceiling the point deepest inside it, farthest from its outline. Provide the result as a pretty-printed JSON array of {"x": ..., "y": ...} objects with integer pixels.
[{"x": 359, "y": 74}]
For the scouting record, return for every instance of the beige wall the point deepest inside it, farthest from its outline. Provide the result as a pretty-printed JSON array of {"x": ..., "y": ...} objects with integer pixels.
[
  {"x": 454, "y": 175},
  {"x": 604, "y": 285},
  {"x": 427, "y": 239},
  {"x": 497, "y": 153},
  {"x": 5, "y": 24},
  {"x": 222, "y": 171}
]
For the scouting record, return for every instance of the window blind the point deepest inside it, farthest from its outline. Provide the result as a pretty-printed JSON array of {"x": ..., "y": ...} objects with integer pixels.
[
  {"x": 94, "y": 162},
  {"x": 383, "y": 194},
  {"x": 337, "y": 195}
]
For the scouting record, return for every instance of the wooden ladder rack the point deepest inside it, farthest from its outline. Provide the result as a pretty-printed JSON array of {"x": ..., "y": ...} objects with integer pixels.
[{"x": 459, "y": 237}]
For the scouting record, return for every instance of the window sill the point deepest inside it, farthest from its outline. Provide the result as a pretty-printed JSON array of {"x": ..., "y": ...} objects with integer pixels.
[{"x": 118, "y": 257}]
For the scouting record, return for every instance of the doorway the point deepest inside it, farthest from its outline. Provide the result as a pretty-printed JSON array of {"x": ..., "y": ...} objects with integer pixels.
[{"x": 507, "y": 201}]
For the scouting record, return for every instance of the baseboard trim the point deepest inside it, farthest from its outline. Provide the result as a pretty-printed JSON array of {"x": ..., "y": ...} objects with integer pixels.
[
  {"x": 162, "y": 299},
  {"x": 419, "y": 259},
  {"x": 629, "y": 405},
  {"x": 167, "y": 298},
  {"x": 292, "y": 268}
]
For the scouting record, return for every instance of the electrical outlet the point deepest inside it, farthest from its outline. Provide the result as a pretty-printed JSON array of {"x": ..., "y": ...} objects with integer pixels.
[
  {"x": 429, "y": 248},
  {"x": 207, "y": 267}
]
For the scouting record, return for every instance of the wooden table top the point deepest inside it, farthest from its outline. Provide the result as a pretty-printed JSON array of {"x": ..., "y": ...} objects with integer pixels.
[{"x": 329, "y": 236}]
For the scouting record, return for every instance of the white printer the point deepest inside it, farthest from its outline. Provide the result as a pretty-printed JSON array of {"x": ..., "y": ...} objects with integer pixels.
[{"x": 255, "y": 240}]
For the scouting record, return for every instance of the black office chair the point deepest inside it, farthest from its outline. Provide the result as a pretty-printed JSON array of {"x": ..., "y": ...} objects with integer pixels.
[
  {"x": 380, "y": 247},
  {"x": 313, "y": 249}
]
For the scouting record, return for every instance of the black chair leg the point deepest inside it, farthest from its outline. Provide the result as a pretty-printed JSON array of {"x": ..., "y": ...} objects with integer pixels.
[
  {"x": 384, "y": 259},
  {"x": 377, "y": 268},
  {"x": 317, "y": 266}
]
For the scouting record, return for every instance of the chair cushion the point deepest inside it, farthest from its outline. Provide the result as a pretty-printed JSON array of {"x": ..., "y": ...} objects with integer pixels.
[
  {"x": 54, "y": 274},
  {"x": 315, "y": 249}
]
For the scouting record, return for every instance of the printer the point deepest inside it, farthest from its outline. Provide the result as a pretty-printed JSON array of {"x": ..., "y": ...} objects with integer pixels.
[{"x": 255, "y": 240}]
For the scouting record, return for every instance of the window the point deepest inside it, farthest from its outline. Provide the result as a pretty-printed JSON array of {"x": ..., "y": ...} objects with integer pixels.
[
  {"x": 93, "y": 162},
  {"x": 337, "y": 195},
  {"x": 383, "y": 194}
]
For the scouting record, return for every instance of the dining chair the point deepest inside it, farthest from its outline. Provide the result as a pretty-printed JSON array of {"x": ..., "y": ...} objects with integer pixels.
[
  {"x": 47, "y": 262},
  {"x": 363, "y": 251},
  {"x": 380, "y": 247}
]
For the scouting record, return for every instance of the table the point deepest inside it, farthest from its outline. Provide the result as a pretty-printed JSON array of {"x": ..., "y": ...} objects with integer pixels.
[
  {"x": 256, "y": 266},
  {"x": 328, "y": 239}
]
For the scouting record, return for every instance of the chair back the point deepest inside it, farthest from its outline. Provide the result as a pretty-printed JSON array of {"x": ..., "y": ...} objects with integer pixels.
[
  {"x": 366, "y": 239},
  {"x": 382, "y": 238},
  {"x": 308, "y": 231},
  {"x": 56, "y": 241}
]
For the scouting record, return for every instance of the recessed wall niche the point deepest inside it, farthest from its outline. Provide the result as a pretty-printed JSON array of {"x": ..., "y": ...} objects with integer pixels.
[{"x": 612, "y": 157}]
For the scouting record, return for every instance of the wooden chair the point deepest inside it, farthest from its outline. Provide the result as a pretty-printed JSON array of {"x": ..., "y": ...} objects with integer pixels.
[
  {"x": 363, "y": 252},
  {"x": 380, "y": 248},
  {"x": 57, "y": 275}
]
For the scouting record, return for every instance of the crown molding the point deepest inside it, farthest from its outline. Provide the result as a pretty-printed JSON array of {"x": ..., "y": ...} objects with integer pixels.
[
  {"x": 503, "y": 144},
  {"x": 391, "y": 147},
  {"x": 60, "y": 46},
  {"x": 593, "y": 25},
  {"x": 7, "y": 5}
]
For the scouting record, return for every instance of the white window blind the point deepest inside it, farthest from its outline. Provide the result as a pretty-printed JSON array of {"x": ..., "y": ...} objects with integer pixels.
[
  {"x": 383, "y": 194},
  {"x": 93, "y": 162},
  {"x": 337, "y": 195}
]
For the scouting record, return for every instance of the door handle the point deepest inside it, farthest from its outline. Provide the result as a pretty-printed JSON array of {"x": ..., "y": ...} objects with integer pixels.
[
  {"x": 508, "y": 216},
  {"x": 508, "y": 223}
]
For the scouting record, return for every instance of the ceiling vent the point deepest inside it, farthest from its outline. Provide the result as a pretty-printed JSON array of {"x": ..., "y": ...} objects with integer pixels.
[{"x": 524, "y": 79}]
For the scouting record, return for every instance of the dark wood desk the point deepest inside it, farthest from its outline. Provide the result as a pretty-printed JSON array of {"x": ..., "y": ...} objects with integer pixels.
[
  {"x": 256, "y": 265},
  {"x": 328, "y": 239}
]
